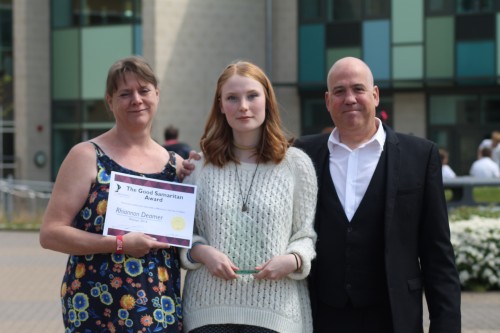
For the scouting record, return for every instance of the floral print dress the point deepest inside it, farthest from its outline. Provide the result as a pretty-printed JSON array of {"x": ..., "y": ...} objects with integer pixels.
[{"x": 110, "y": 292}]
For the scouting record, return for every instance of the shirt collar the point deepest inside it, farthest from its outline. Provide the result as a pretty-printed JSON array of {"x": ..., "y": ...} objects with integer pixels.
[{"x": 378, "y": 137}]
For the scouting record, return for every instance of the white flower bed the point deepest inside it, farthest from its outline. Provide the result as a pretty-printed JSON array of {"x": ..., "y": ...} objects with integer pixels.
[{"x": 477, "y": 250}]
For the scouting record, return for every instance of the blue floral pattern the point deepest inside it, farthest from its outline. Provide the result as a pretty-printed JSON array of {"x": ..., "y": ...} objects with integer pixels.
[{"x": 112, "y": 292}]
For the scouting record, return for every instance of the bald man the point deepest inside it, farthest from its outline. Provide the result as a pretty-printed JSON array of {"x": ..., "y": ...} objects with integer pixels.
[{"x": 381, "y": 219}]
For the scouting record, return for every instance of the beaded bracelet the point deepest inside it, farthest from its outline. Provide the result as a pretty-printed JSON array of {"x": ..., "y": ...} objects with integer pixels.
[
  {"x": 188, "y": 254},
  {"x": 296, "y": 260}
]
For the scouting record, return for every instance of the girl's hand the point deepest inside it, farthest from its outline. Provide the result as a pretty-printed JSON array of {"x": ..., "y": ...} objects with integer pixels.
[
  {"x": 277, "y": 268},
  {"x": 217, "y": 263}
]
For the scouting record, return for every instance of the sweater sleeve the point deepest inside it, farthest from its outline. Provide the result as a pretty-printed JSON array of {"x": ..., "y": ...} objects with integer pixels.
[
  {"x": 303, "y": 236},
  {"x": 184, "y": 252}
]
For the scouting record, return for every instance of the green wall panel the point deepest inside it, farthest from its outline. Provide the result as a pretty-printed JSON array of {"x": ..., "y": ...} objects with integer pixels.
[
  {"x": 335, "y": 54},
  {"x": 407, "y": 62},
  {"x": 65, "y": 73},
  {"x": 101, "y": 47},
  {"x": 407, "y": 21},
  {"x": 442, "y": 110},
  {"x": 439, "y": 47},
  {"x": 498, "y": 45}
]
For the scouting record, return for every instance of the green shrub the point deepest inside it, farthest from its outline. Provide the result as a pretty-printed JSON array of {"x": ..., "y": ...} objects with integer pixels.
[{"x": 468, "y": 212}]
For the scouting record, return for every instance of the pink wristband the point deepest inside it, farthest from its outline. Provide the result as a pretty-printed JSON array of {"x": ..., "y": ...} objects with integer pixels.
[{"x": 119, "y": 244}]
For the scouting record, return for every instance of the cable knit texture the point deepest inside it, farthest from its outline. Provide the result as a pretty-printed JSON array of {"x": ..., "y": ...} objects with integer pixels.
[{"x": 279, "y": 220}]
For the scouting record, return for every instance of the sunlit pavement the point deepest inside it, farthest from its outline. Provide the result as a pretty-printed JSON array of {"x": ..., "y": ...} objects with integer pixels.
[{"x": 30, "y": 278}]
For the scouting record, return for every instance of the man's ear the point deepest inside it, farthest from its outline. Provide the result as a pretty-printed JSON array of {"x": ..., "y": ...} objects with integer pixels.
[{"x": 376, "y": 95}]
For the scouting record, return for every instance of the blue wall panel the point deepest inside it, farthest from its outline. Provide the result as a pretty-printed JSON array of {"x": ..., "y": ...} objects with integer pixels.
[
  {"x": 475, "y": 59},
  {"x": 312, "y": 54},
  {"x": 138, "y": 39},
  {"x": 376, "y": 48}
]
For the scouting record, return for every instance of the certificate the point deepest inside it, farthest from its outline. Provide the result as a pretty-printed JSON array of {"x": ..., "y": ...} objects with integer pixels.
[{"x": 161, "y": 209}]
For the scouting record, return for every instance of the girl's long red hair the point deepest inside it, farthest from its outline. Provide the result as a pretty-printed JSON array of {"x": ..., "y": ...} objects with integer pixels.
[{"x": 217, "y": 141}]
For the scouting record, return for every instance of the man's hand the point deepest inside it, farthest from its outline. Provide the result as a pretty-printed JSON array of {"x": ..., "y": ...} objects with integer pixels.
[{"x": 187, "y": 165}]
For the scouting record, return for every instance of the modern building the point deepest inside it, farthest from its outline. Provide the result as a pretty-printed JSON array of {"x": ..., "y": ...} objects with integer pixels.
[{"x": 437, "y": 63}]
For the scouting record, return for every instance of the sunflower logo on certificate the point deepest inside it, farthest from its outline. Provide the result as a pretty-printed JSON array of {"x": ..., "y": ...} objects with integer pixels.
[{"x": 178, "y": 223}]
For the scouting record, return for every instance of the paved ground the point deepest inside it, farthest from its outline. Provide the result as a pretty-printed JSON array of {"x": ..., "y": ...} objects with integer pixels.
[{"x": 30, "y": 279}]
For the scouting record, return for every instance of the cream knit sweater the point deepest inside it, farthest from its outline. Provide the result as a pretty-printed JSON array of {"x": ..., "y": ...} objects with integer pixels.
[{"x": 279, "y": 220}]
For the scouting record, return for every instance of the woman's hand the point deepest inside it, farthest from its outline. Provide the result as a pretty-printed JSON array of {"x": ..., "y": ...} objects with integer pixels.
[{"x": 137, "y": 244}]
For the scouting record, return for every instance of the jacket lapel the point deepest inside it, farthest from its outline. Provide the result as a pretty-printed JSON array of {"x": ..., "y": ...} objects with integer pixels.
[{"x": 393, "y": 174}]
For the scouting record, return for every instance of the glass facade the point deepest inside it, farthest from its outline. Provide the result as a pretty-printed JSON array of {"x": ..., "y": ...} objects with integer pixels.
[
  {"x": 7, "y": 162},
  {"x": 81, "y": 13},
  {"x": 87, "y": 37},
  {"x": 459, "y": 121},
  {"x": 449, "y": 50}
]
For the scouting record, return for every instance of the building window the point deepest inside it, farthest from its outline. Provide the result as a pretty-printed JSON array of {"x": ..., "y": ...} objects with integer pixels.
[
  {"x": 79, "y": 26},
  {"x": 346, "y": 10},
  {"x": 96, "y": 112},
  {"x": 490, "y": 104},
  {"x": 315, "y": 116},
  {"x": 357, "y": 10},
  {"x": 459, "y": 122},
  {"x": 474, "y": 6},
  {"x": 311, "y": 11},
  {"x": 376, "y": 9},
  {"x": 7, "y": 161},
  {"x": 315, "y": 11},
  {"x": 74, "y": 122},
  {"x": 440, "y": 7},
  {"x": 70, "y": 13}
]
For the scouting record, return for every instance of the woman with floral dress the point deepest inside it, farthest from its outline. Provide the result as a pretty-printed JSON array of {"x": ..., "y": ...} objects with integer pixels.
[{"x": 128, "y": 283}]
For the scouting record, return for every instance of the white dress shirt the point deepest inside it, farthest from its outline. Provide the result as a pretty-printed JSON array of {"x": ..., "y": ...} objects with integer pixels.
[
  {"x": 448, "y": 171},
  {"x": 352, "y": 170},
  {"x": 485, "y": 167}
]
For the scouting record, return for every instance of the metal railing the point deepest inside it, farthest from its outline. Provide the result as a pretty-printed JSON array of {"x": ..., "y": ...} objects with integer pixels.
[
  {"x": 462, "y": 188},
  {"x": 23, "y": 200}
]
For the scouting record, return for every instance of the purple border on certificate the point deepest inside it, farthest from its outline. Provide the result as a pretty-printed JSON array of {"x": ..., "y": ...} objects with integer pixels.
[
  {"x": 163, "y": 239},
  {"x": 154, "y": 183}
]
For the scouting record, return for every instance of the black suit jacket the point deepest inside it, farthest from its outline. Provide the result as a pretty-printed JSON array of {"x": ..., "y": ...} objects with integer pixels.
[{"x": 418, "y": 252}]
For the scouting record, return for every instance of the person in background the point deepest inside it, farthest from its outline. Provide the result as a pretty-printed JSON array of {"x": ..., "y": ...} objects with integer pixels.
[
  {"x": 126, "y": 283},
  {"x": 492, "y": 142},
  {"x": 172, "y": 142},
  {"x": 447, "y": 171},
  {"x": 254, "y": 235},
  {"x": 381, "y": 220},
  {"x": 485, "y": 167}
]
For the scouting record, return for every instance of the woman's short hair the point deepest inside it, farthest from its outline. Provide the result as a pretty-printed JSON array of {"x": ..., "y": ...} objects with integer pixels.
[{"x": 133, "y": 64}]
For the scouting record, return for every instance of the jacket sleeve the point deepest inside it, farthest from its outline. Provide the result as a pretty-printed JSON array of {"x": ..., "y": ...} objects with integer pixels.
[{"x": 437, "y": 258}]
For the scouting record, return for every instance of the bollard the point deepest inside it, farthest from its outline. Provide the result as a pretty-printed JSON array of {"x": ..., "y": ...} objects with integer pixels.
[{"x": 9, "y": 203}]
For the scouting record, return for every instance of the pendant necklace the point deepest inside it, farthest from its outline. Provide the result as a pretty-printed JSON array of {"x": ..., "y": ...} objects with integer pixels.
[{"x": 244, "y": 207}]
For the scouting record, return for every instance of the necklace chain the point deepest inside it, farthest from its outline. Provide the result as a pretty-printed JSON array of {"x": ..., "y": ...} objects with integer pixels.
[
  {"x": 242, "y": 147},
  {"x": 244, "y": 207}
]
